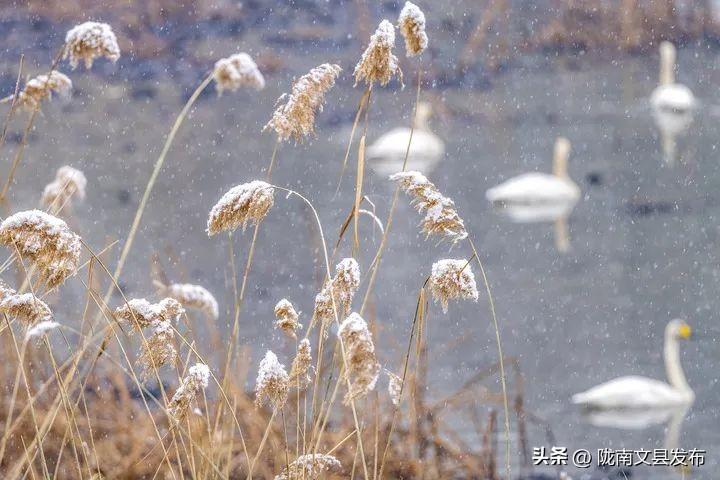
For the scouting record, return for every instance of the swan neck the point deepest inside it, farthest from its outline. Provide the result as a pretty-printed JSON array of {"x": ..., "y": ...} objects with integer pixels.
[
  {"x": 674, "y": 370},
  {"x": 667, "y": 65},
  {"x": 420, "y": 120},
  {"x": 560, "y": 158}
]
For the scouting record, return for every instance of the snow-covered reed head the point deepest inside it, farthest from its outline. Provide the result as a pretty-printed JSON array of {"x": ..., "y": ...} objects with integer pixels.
[
  {"x": 236, "y": 71},
  {"x": 193, "y": 296},
  {"x": 272, "y": 382},
  {"x": 310, "y": 467},
  {"x": 88, "y": 41},
  {"x": 196, "y": 380},
  {"x": 40, "y": 329},
  {"x": 295, "y": 114},
  {"x": 301, "y": 365},
  {"x": 360, "y": 361},
  {"x": 26, "y": 307},
  {"x": 43, "y": 86},
  {"x": 139, "y": 313},
  {"x": 69, "y": 182},
  {"x": 45, "y": 240},
  {"x": 441, "y": 217},
  {"x": 412, "y": 27},
  {"x": 159, "y": 349},
  {"x": 452, "y": 279},
  {"x": 394, "y": 387},
  {"x": 242, "y": 204},
  {"x": 378, "y": 63},
  {"x": 343, "y": 286},
  {"x": 287, "y": 318}
]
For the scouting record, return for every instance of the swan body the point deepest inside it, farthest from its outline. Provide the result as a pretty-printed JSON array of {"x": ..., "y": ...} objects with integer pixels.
[
  {"x": 387, "y": 154},
  {"x": 633, "y": 419},
  {"x": 634, "y": 392}
]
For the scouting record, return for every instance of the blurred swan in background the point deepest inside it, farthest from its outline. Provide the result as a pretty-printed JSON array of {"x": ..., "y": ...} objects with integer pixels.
[
  {"x": 540, "y": 197},
  {"x": 387, "y": 154},
  {"x": 673, "y": 104},
  {"x": 634, "y": 392}
]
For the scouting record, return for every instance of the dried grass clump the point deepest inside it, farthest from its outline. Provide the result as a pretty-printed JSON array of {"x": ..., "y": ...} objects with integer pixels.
[
  {"x": 196, "y": 380},
  {"x": 242, "y": 204},
  {"x": 452, "y": 279},
  {"x": 43, "y": 86},
  {"x": 45, "y": 240},
  {"x": 41, "y": 328},
  {"x": 378, "y": 63},
  {"x": 287, "y": 318},
  {"x": 237, "y": 71},
  {"x": 395, "y": 384},
  {"x": 343, "y": 286},
  {"x": 69, "y": 182},
  {"x": 441, "y": 217},
  {"x": 272, "y": 384},
  {"x": 362, "y": 365},
  {"x": 140, "y": 313},
  {"x": 26, "y": 307},
  {"x": 310, "y": 467},
  {"x": 296, "y": 117},
  {"x": 412, "y": 27},
  {"x": 159, "y": 349},
  {"x": 193, "y": 296},
  {"x": 88, "y": 41},
  {"x": 300, "y": 369}
]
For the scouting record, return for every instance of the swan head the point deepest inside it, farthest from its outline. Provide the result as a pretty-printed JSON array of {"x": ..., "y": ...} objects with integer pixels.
[{"x": 678, "y": 329}]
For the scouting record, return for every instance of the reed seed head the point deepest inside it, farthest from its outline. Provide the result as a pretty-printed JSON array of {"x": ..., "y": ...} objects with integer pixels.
[
  {"x": 159, "y": 349},
  {"x": 236, "y": 71},
  {"x": 441, "y": 217},
  {"x": 40, "y": 329},
  {"x": 310, "y": 467},
  {"x": 196, "y": 380},
  {"x": 69, "y": 182},
  {"x": 45, "y": 240},
  {"x": 343, "y": 286},
  {"x": 88, "y": 41},
  {"x": 242, "y": 204},
  {"x": 295, "y": 115},
  {"x": 394, "y": 387},
  {"x": 301, "y": 366},
  {"x": 139, "y": 313},
  {"x": 287, "y": 318},
  {"x": 362, "y": 367},
  {"x": 412, "y": 27},
  {"x": 26, "y": 307},
  {"x": 193, "y": 296},
  {"x": 272, "y": 382},
  {"x": 41, "y": 87},
  {"x": 378, "y": 63},
  {"x": 452, "y": 279}
]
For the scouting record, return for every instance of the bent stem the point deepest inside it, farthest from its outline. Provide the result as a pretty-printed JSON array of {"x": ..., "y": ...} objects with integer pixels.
[{"x": 262, "y": 444}]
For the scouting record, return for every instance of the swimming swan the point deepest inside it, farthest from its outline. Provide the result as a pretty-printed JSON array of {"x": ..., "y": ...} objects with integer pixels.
[
  {"x": 387, "y": 154},
  {"x": 641, "y": 392}
]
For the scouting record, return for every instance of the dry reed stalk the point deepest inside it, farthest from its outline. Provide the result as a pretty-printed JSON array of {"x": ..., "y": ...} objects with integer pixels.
[
  {"x": 13, "y": 102},
  {"x": 89, "y": 41},
  {"x": 452, "y": 279},
  {"x": 69, "y": 182}
]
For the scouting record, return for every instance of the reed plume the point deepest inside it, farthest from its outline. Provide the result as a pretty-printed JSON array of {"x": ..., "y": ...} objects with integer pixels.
[
  {"x": 159, "y": 349},
  {"x": 301, "y": 365},
  {"x": 452, "y": 279},
  {"x": 242, "y": 204},
  {"x": 412, "y": 28},
  {"x": 45, "y": 240},
  {"x": 196, "y": 380},
  {"x": 193, "y": 296},
  {"x": 295, "y": 118},
  {"x": 140, "y": 313},
  {"x": 342, "y": 287},
  {"x": 69, "y": 182},
  {"x": 26, "y": 307},
  {"x": 310, "y": 467},
  {"x": 88, "y": 41},
  {"x": 287, "y": 318},
  {"x": 236, "y": 71},
  {"x": 378, "y": 63},
  {"x": 395, "y": 384},
  {"x": 41, "y": 328},
  {"x": 360, "y": 361},
  {"x": 272, "y": 382},
  {"x": 441, "y": 217},
  {"x": 41, "y": 87}
]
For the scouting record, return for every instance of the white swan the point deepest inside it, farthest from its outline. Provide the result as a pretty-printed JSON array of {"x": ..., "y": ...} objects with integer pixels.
[
  {"x": 673, "y": 104},
  {"x": 387, "y": 154},
  {"x": 556, "y": 189},
  {"x": 640, "y": 392}
]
